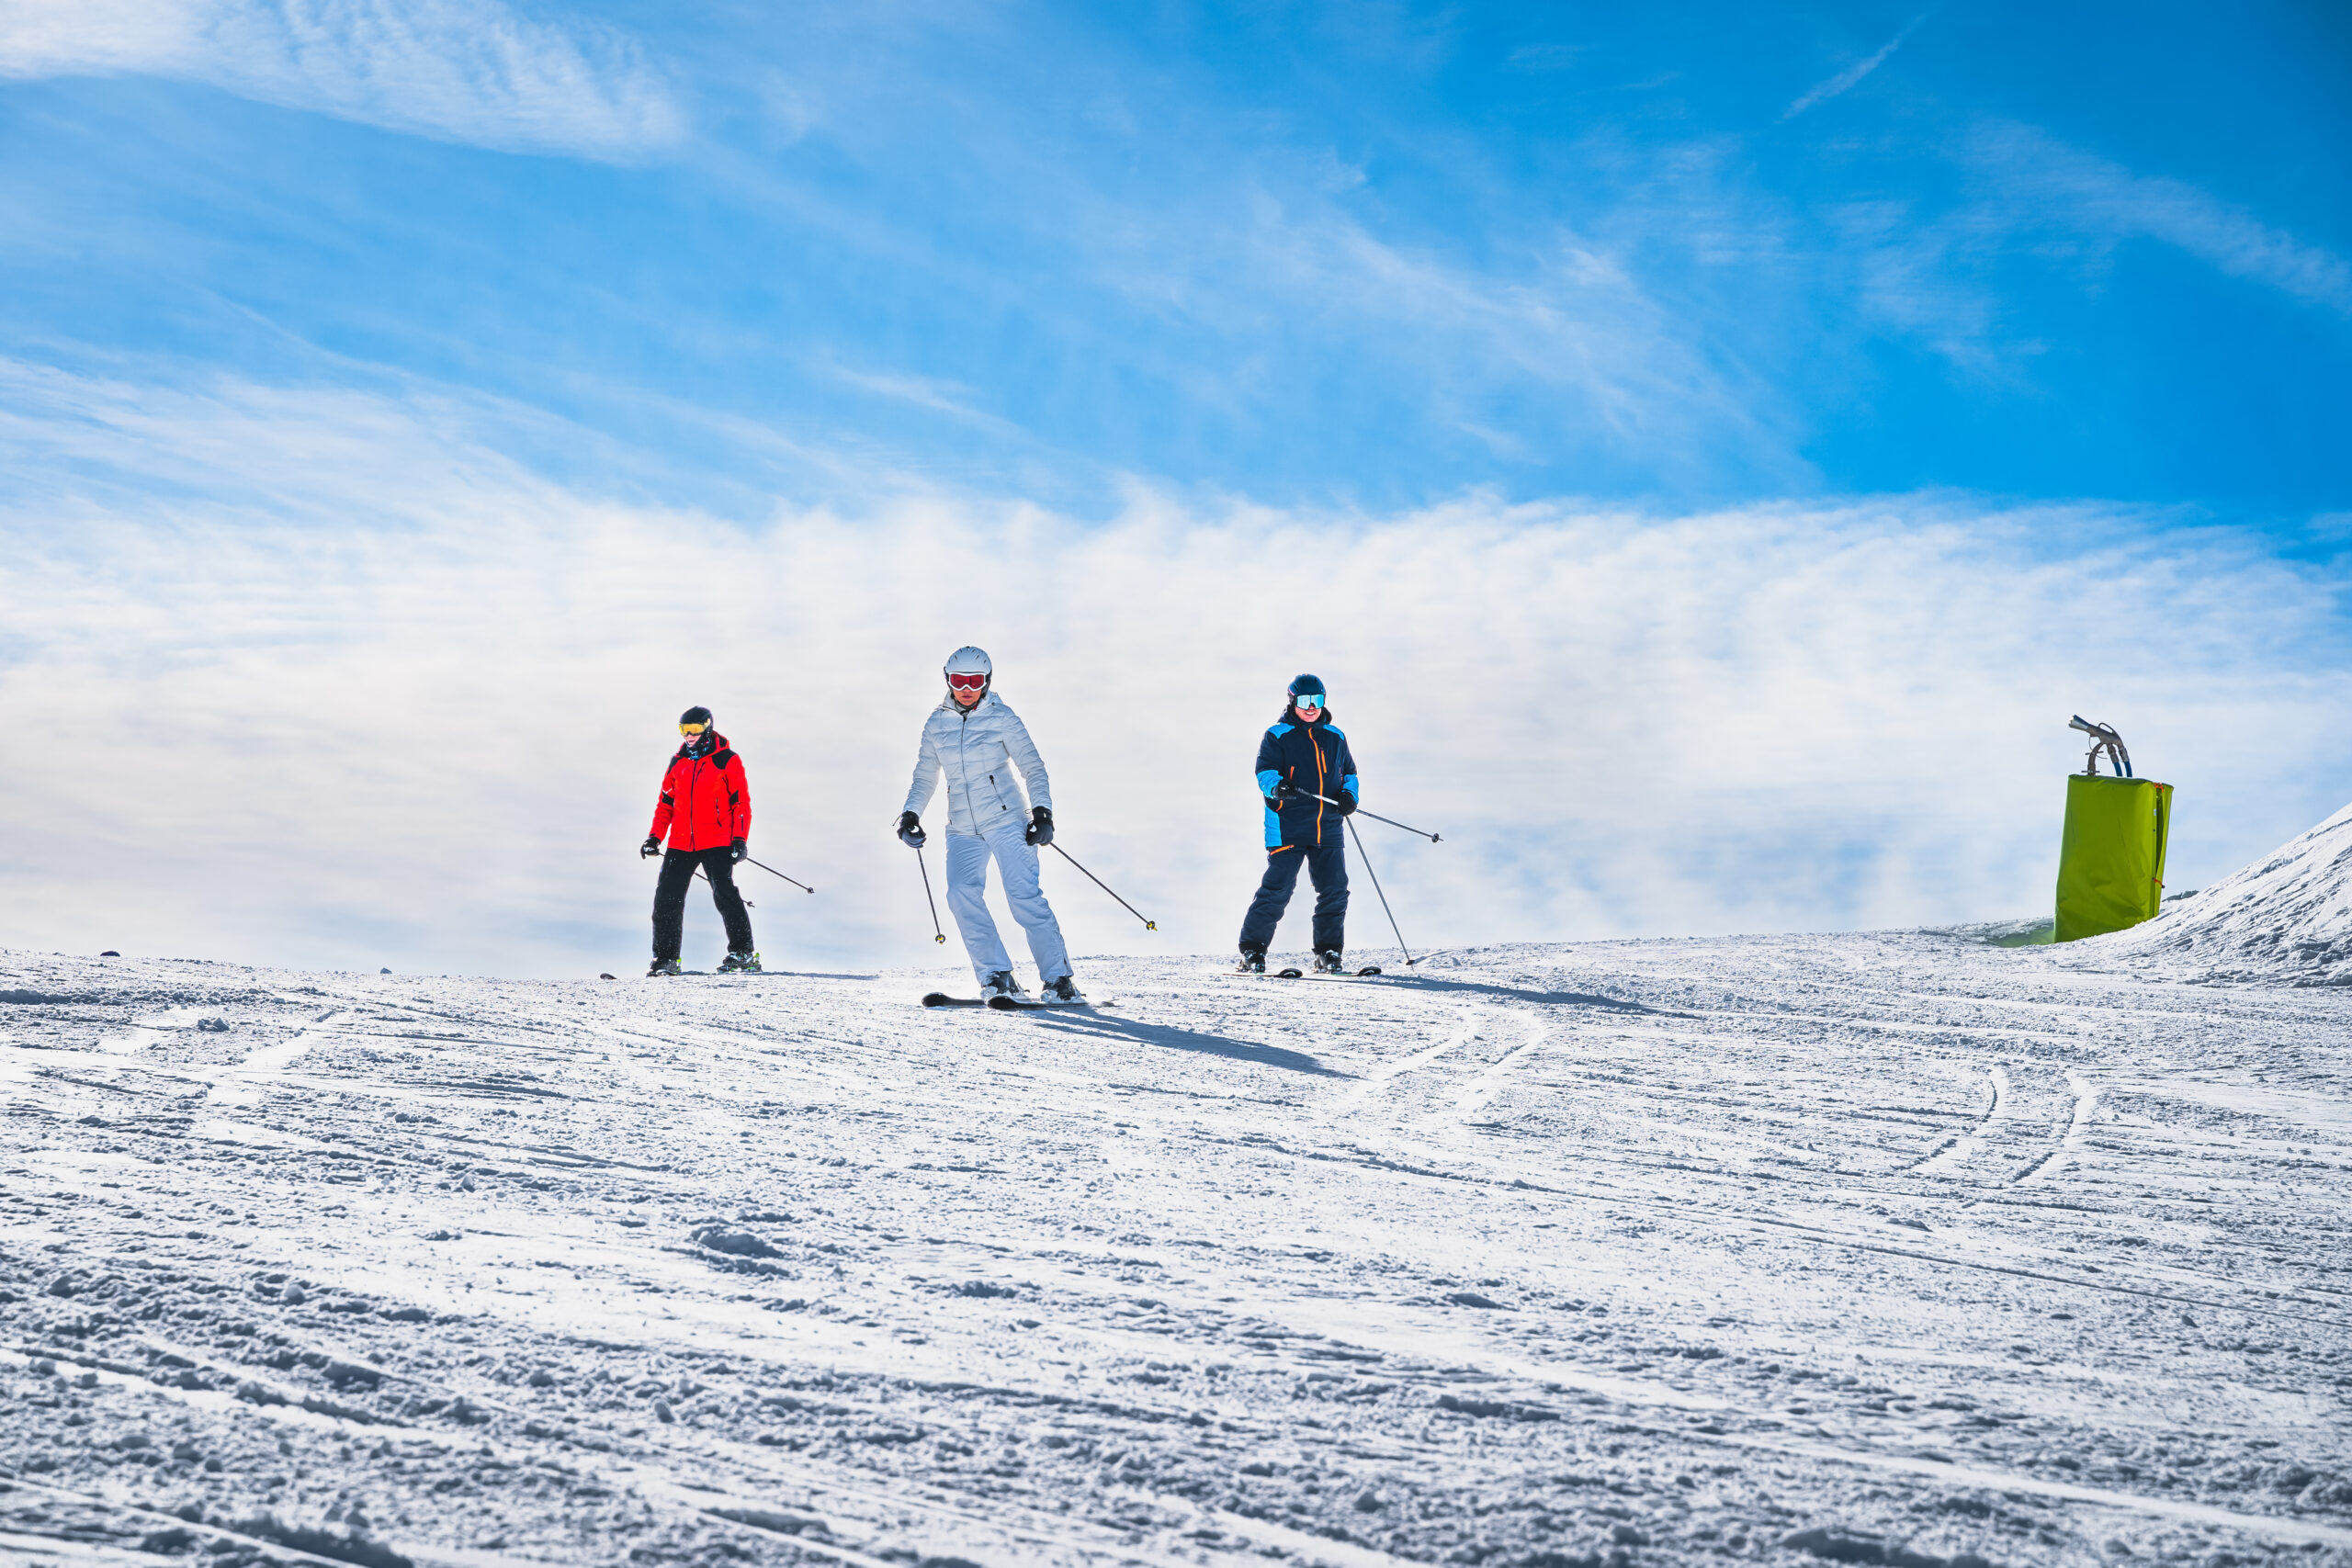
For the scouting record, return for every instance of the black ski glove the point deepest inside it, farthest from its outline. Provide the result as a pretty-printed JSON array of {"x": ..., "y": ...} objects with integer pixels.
[
  {"x": 1347, "y": 804},
  {"x": 910, "y": 832},
  {"x": 1041, "y": 827},
  {"x": 651, "y": 848},
  {"x": 737, "y": 851}
]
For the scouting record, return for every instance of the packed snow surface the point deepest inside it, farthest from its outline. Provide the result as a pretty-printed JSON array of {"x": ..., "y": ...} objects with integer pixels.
[
  {"x": 1884, "y": 1248},
  {"x": 2286, "y": 917}
]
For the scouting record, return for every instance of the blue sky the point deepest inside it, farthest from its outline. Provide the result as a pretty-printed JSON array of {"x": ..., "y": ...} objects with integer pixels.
[
  {"x": 1789, "y": 414},
  {"x": 1363, "y": 254}
]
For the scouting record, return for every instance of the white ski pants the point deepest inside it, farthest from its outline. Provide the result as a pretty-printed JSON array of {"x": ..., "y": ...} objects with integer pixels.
[{"x": 1017, "y": 863}]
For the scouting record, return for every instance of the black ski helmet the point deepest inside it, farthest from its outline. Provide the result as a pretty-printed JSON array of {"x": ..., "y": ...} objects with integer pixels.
[
  {"x": 1308, "y": 686},
  {"x": 696, "y": 715}
]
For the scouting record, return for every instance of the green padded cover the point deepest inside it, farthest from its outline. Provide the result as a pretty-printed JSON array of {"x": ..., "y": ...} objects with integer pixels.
[{"x": 2111, "y": 862}]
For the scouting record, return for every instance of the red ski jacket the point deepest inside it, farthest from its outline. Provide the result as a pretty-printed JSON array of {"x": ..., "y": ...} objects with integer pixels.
[{"x": 706, "y": 804}]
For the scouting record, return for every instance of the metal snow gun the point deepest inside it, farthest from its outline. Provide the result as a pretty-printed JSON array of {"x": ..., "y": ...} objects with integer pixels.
[{"x": 2111, "y": 856}]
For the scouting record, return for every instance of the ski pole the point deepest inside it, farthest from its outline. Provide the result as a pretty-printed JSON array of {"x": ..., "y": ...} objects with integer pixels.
[
  {"x": 936, "y": 934},
  {"x": 1409, "y": 959},
  {"x": 773, "y": 872},
  {"x": 1360, "y": 811},
  {"x": 1130, "y": 909}
]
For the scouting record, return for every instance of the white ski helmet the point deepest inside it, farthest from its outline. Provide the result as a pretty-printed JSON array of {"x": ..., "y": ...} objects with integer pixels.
[{"x": 968, "y": 660}]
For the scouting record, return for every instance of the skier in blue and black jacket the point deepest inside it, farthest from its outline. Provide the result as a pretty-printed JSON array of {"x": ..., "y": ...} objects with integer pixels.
[{"x": 1308, "y": 779}]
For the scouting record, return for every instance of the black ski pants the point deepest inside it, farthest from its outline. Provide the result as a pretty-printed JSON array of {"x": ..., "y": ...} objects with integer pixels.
[
  {"x": 1327, "y": 866},
  {"x": 670, "y": 899}
]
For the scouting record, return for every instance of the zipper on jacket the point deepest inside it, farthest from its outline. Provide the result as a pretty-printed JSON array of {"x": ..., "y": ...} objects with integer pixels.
[{"x": 1321, "y": 789}]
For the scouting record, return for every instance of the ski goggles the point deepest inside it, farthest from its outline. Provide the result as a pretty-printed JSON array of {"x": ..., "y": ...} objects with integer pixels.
[
  {"x": 692, "y": 728},
  {"x": 968, "y": 682},
  {"x": 1307, "y": 699}
]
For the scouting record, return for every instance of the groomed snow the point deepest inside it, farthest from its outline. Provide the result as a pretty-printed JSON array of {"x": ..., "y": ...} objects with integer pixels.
[
  {"x": 2287, "y": 917},
  {"x": 1890, "y": 1249}
]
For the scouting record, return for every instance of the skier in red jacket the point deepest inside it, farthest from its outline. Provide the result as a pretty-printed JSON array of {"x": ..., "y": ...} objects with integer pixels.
[{"x": 705, "y": 811}]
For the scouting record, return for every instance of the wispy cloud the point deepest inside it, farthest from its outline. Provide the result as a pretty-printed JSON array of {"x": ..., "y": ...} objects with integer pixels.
[
  {"x": 2042, "y": 181},
  {"x": 470, "y": 70},
  {"x": 1846, "y": 79},
  {"x": 1936, "y": 273},
  {"x": 1538, "y": 57},
  {"x": 1561, "y": 322},
  {"x": 1765, "y": 717},
  {"x": 950, "y": 399}
]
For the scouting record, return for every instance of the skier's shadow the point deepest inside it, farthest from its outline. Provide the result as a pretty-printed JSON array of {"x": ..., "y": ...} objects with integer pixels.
[
  {"x": 1160, "y": 1035},
  {"x": 1507, "y": 993}
]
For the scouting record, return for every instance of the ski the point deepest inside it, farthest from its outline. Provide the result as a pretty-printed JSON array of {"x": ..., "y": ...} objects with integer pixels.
[
  {"x": 1368, "y": 970},
  {"x": 1008, "y": 1004},
  {"x": 719, "y": 973},
  {"x": 942, "y": 999}
]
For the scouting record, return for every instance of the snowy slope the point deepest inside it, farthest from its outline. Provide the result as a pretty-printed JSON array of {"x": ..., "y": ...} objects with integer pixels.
[
  {"x": 1875, "y": 1249},
  {"x": 2288, "y": 917}
]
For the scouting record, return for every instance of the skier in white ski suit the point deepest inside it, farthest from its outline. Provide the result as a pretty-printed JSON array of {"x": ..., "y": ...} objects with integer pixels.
[{"x": 974, "y": 742}]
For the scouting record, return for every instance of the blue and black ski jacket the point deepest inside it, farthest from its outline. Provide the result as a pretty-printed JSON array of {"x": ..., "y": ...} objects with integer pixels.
[{"x": 1313, "y": 757}]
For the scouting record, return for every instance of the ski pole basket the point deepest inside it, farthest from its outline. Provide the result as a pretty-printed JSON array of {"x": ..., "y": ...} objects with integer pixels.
[{"x": 2111, "y": 856}]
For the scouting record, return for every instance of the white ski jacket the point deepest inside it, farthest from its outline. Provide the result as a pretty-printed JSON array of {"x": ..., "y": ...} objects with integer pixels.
[{"x": 976, "y": 751}]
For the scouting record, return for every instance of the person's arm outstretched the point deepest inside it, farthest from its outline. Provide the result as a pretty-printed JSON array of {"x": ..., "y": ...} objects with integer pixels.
[
  {"x": 919, "y": 791},
  {"x": 738, "y": 807},
  {"x": 664, "y": 809},
  {"x": 1024, "y": 752}
]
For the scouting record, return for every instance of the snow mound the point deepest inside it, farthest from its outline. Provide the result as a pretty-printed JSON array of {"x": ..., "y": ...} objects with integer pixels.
[{"x": 2288, "y": 917}]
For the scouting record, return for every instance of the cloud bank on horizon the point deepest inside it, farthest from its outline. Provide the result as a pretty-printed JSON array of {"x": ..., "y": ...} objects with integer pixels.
[
  {"x": 428, "y": 735},
  {"x": 1712, "y": 459}
]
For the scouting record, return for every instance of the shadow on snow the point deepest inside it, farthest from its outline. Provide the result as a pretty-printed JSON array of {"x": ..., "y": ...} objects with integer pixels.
[
  {"x": 1173, "y": 1039},
  {"x": 1507, "y": 993}
]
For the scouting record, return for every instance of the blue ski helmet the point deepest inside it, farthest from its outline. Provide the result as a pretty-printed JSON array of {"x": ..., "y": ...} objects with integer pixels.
[{"x": 1309, "y": 686}]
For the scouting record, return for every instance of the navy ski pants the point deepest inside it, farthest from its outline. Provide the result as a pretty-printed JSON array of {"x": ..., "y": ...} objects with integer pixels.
[
  {"x": 1326, "y": 867},
  {"x": 670, "y": 899}
]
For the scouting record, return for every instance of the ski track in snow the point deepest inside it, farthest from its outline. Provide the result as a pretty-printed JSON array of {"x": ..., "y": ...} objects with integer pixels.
[{"x": 1890, "y": 1247}]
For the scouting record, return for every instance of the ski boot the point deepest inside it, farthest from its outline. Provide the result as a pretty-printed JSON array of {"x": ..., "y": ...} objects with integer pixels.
[
  {"x": 740, "y": 963},
  {"x": 1002, "y": 984},
  {"x": 664, "y": 966},
  {"x": 1063, "y": 992},
  {"x": 1327, "y": 961},
  {"x": 1253, "y": 962}
]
